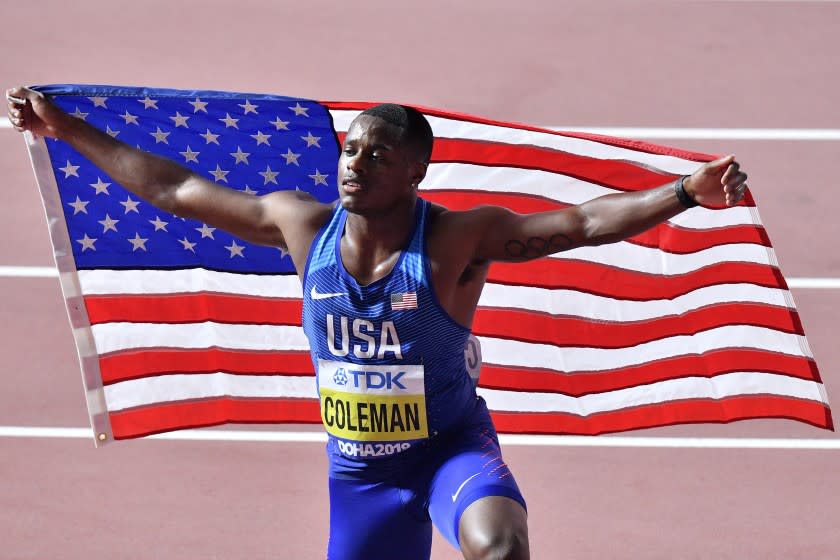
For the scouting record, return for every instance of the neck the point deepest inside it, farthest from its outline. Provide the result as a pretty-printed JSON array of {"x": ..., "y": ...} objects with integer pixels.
[
  {"x": 386, "y": 231},
  {"x": 371, "y": 244}
]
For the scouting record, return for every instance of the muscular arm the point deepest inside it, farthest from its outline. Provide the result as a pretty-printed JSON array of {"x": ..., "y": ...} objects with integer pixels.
[
  {"x": 266, "y": 220},
  {"x": 507, "y": 236}
]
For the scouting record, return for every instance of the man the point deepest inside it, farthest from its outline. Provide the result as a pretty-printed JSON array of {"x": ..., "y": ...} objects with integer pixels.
[{"x": 391, "y": 284}]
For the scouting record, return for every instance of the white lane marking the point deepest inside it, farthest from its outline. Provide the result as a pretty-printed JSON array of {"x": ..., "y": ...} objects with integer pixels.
[
  {"x": 50, "y": 272},
  {"x": 458, "y": 491},
  {"x": 505, "y": 439},
  {"x": 684, "y": 133},
  {"x": 807, "y": 134},
  {"x": 28, "y": 272}
]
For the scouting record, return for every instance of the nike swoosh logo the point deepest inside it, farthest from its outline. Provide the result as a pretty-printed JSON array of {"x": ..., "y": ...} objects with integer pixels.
[
  {"x": 458, "y": 491},
  {"x": 315, "y": 295}
]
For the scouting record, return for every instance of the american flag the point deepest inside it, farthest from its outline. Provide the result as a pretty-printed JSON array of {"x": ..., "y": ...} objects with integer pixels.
[
  {"x": 179, "y": 324},
  {"x": 407, "y": 300}
]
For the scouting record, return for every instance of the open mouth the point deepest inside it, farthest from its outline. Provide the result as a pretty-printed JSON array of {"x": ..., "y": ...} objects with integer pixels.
[{"x": 352, "y": 186}]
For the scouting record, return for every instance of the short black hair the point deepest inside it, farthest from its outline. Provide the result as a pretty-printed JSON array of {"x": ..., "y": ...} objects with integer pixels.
[{"x": 417, "y": 133}]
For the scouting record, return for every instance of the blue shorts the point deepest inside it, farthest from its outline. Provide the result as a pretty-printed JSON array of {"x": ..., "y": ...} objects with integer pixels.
[{"x": 393, "y": 517}]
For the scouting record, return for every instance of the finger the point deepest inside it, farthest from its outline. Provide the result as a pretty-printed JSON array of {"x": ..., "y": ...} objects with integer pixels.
[
  {"x": 737, "y": 195},
  {"x": 720, "y": 164},
  {"x": 730, "y": 171},
  {"x": 15, "y": 96},
  {"x": 734, "y": 181}
]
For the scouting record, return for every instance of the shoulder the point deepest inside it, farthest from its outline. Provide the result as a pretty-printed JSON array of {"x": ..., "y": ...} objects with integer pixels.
[
  {"x": 443, "y": 220},
  {"x": 297, "y": 206}
]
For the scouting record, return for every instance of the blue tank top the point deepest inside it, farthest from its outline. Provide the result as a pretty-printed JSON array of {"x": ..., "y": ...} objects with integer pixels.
[{"x": 389, "y": 360}]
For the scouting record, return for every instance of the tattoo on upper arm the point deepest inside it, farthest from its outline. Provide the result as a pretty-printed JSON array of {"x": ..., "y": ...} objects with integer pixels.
[{"x": 536, "y": 247}]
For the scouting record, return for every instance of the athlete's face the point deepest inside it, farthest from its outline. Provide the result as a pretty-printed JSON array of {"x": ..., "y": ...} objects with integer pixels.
[{"x": 376, "y": 171}]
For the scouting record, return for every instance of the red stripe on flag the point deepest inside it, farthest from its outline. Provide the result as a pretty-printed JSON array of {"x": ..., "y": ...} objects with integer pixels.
[
  {"x": 618, "y": 283},
  {"x": 709, "y": 364},
  {"x": 665, "y": 414},
  {"x": 558, "y": 330},
  {"x": 123, "y": 366},
  {"x": 192, "y": 308},
  {"x": 155, "y": 419}
]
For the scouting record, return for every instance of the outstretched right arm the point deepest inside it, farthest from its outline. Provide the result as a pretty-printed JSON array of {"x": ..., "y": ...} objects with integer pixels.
[{"x": 277, "y": 219}]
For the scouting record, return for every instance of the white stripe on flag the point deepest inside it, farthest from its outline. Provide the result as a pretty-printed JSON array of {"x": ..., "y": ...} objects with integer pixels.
[
  {"x": 590, "y": 306},
  {"x": 719, "y": 387},
  {"x": 194, "y": 280},
  {"x": 452, "y": 128},
  {"x": 558, "y": 302},
  {"x": 523, "y": 354},
  {"x": 112, "y": 337},
  {"x": 171, "y": 388},
  {"x": 651, "y": 260}
]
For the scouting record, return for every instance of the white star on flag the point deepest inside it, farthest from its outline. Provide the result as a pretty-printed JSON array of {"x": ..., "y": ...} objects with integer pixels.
[
  {"x": 209, "y": 137},
  {"x": 230, "y": 121},
  {"x": 87, "y": 243},
  {"x": 188, "y": 246},
  {"x": 206, "y": 231},
  {"x": 70, "y": 170},
  {"x": 300, "y": 110},
  {"x": 269, "y": 175},
  {"x": 190, "y": 155},
  {"x": 291, "y": 157},
  {"x": 235, "y": 250},
  {"x": 79, "y": 205},
  {"x": 219, "y": 174},
  {"x": 79, "y": 115},
  {"x": 160, "y": 136},
  {"x": 158, "y": 223},
  {"x": 279, "y": 124},
  {"x": 138, "y": 242},
  {"x": 108, "y": 223},
  {"x": 129, "y": 118},
  {"x": 240, "y": 156},
  {"x": 311, "y": 140},
  {"x": 248, "y": 107},
  {"x": 261, "y": 138},
  {"x": 198, "y": 105},
  {"x": 319, "y": 178},
  {"x": 130, "y": 205},
  {"x": 99, "y": 101},
  {"x": 111, "y": 133},
  {"x": 148, "y": 103},
  {"x": 101, "y": 186},
  {"x": 180, "y": 120}
]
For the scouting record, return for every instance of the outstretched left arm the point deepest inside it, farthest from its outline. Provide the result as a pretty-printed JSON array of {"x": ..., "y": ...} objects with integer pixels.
[{"x": 507, "y": 236}]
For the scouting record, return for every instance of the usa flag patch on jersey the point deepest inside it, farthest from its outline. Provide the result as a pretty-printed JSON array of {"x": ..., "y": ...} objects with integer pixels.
[{"x": 407, "y": 300}]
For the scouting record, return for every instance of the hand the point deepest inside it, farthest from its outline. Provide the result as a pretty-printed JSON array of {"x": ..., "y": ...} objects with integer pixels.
[
  {"x": 36, "y": 114},
  {"x": 717, "y": 183}
]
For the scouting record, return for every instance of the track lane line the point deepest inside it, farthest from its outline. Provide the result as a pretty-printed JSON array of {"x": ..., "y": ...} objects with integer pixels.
[{"x": 505, "y": 439}]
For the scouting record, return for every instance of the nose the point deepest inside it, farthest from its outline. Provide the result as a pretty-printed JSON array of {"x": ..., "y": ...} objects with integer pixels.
[{"x": 355, "y": 163}]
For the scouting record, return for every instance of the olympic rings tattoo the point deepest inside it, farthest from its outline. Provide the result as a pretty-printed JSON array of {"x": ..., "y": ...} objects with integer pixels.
[{"x": 537, "y": 247}]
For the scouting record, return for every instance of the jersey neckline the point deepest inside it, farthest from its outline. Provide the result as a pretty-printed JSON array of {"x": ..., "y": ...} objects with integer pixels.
[{"x": 419, "y": 211}]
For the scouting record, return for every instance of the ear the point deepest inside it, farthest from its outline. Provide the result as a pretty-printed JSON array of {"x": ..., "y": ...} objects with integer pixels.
[{"x": 418, "y": 172}]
